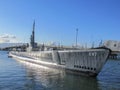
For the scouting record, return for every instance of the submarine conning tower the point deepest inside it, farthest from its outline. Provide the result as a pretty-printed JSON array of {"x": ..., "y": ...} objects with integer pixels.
[{"x": 33, "y": 44}]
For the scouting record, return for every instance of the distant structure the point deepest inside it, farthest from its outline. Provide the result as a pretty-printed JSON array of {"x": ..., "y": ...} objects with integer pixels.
[
  {"x": 13, "y": 46},
  {"x": 113, "y": 45},
  {"x": 101, "y": 43}
]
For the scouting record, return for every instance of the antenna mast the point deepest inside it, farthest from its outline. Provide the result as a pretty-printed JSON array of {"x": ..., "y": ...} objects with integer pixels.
[{"x": 76, "y": 36}]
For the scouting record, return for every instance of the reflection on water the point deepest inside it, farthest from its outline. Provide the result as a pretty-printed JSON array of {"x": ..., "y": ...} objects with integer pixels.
[
  {"x": 59, "y": 80},
  {"x": 16, "y": 75}
]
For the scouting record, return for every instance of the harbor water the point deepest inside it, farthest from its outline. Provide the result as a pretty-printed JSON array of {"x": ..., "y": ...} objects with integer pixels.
[{"x": 16, "y": 75}]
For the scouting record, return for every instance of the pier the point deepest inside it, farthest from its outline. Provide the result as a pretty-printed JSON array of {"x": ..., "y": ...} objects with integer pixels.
[{"x": 114, "y": 55}]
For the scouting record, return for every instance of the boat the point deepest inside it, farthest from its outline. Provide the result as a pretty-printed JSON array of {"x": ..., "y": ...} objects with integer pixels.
[{"x": 87, "y": 61}]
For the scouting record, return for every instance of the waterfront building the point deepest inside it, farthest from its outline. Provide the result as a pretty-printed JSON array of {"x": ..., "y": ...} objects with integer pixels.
[{"x": 113, "y": 45}]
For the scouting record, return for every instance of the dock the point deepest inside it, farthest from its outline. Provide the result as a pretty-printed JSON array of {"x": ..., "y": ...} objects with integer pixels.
[{"x": 114, "y": 55}]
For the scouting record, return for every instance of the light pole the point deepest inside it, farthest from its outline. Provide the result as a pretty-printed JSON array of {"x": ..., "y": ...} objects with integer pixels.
[{"x": 76, "y": 36}]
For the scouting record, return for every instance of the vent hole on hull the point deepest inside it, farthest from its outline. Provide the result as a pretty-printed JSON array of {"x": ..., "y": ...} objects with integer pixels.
[
  {"x": 94, "y": 69},
  {"x": 91, "y": 68},
  {"x": 75, "y": 66}
]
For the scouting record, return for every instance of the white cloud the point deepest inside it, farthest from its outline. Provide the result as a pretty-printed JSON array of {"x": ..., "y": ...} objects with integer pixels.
[{"x": 8, "y": 38}]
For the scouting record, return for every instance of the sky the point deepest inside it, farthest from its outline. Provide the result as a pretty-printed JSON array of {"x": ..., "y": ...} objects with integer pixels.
[{"x": 57, "y": 21}]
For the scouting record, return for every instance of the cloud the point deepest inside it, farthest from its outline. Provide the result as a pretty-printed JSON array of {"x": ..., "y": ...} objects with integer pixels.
[{"x": 8, "y": 38}]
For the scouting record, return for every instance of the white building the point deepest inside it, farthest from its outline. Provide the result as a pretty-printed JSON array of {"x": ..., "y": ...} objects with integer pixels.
[{"x": 112, "y": 44}]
